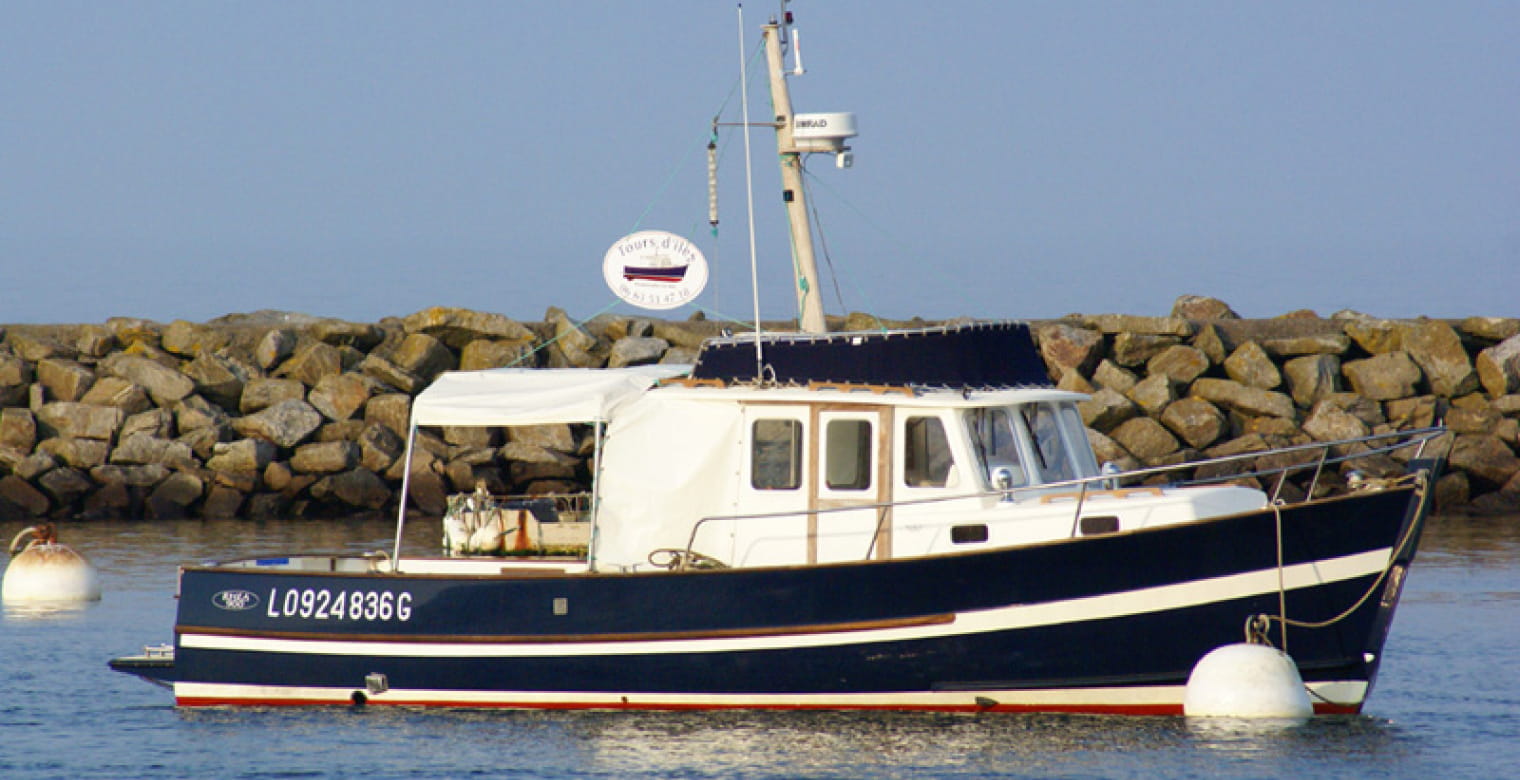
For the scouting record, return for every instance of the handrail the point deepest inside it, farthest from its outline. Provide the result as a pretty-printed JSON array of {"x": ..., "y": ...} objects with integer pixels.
[{"x": 1409, "y": 438}]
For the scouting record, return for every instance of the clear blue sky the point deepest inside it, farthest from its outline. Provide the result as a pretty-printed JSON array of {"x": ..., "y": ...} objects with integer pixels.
[{"x": 185, "y": 160}]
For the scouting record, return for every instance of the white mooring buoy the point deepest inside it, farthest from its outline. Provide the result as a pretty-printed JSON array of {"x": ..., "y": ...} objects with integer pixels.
[
  {"x": 42, "y": 570},
  {"x": 1246, "y": 681}
]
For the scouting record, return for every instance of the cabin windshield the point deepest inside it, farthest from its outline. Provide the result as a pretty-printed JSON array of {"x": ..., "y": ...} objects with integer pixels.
[
  {"x": 1038, "y": 443},
  {"x": 995, "y": 439}
]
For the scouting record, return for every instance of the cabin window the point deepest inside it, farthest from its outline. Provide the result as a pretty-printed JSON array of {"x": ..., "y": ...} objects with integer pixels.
[
  {"x": 776, "y": 455},
  {"x": 996, "y": 442},
  {"x": 848, "y": 454},
  {"x": 926, "y": 453},
  {"x": 1050, "y": 450}
]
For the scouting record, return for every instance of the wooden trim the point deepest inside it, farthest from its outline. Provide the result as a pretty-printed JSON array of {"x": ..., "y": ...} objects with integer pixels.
[
  {"x": 523, "y": 639},
  {"x": 850, "y": 387},
  {"x": 686, "y": 381},
  {"x": 1091, "y": 494}
]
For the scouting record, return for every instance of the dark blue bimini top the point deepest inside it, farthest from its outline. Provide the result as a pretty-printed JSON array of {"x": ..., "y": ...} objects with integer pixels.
[{"x": 981, "y": 355}]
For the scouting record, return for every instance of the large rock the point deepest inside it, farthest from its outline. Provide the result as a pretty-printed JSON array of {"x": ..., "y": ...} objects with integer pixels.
[
  {"x": 393, "y": 410},
  {"x": 554, "y": 437},
  {"x": 1375, "y": 336},
  {"x": 1491, "y": 329},
  {"x": 1153, "y": 394},
  {"x": 143, "y": 449},
  {"x": 341, "y": 395},
  {"x": 686, "y": 334},
  {"x": 66, "y": 380},
  {"x": 1437, "y": 349},
  {"x": 1114, "y": 377},
  {"x": 312, "y": 362},
  {"x": 1213, "y": 344},
  {"x": 153, "y": 422},
  {"x": 1109, "y": 451},
  {"x": 1329, "y": 422},
  {"x": 422, "y": 356},
  {"x": 118, "y": 392},
  {"x": 1499, "y": 367},
  {"x": 79, "y": 453},
  {"x": 388, "y": 373},
  {"x": 35, "y": 347},
  {"x": 163, "y": 384},
  {"x": 1234, "y": 396},
  {"x": 94, "y": 341},
  {"x": 340, "y": 333},
  {"x": 1196, "y": 421},
  {"x": 1145, "y": 438},
  {"x": 244, "y": 456},
  {"x": 458, "y": 327},
  {"x": 217, "y": 379},
  {"x": 1312, "y": 378},
  {"x": 573, "y": 345},
  {"x": 1069, "y": 349},
  {"x": 325, "y": 457},
  {"x": 24, "y": 495},
  {"x": 1200, "y": 307},
  {"x": 1151, "y": 326},
  {"x": 65, "y": 484},
  {"x": 18, "y": 429},
  {"x": 358, "y": 487},
  {"x": 1105, "y": 409},
  {"x": 1179, "y": 362},
  {"x": 484, "y": 353},
  {"x": 135, "y": 476},
  {"x": 132, "y": 331},
  {"x": 1383, "y": 377},
  {"x": 1486, "y": 457},
  {"x": 286, "y": 424},
  {"x": 379, "y": 447},
  {"x": 194, "y": 412},
  {"x": 1417, "y": 412},
  {"x": 274, "y": 347},
  {"x": 80, "y": 421},
  {"x": 173, "y": 497},
  {"x": 636, "y": 352},
  {"x": 188, "y": 339},
  {"x": 1251, "y": 366},
  {"x": 1133, "y": 349},
  {"x": 264, "y": 392}
]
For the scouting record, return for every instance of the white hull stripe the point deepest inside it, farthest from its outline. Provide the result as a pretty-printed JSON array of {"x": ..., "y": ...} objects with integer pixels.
[
  {"x": 1107, "y": 606},
  {"x": 1349, "y": 693}
]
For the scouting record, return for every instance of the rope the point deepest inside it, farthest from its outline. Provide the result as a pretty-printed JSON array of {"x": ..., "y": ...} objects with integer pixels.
[
  {"x": 547, "y": 344},
  {"x": 1420, "y": 486}
]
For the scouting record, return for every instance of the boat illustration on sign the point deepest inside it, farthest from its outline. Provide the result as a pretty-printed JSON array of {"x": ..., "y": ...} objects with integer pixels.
[{"x": 667, "y": 272}]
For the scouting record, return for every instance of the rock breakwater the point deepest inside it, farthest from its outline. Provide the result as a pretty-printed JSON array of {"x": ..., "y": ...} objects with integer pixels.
[{"x": 275, "y": 414}]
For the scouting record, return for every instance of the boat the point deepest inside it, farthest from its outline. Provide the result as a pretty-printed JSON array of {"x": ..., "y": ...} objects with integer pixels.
[{"x": 896, "y": 520}]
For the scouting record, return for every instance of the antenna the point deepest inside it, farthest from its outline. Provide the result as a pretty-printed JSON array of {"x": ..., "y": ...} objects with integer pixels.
[
  {"x": 749, "y": 184},
  {"x": 797, "y": 69}
]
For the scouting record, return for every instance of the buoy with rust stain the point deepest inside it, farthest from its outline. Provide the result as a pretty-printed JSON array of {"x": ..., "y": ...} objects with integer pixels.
[
  {"x": 1246, "y": 681},
  {"x": 43, "y": 570}
]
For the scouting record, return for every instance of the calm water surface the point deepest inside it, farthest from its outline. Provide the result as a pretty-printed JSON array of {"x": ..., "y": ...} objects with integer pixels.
[{"x": 1447, "y": 702}]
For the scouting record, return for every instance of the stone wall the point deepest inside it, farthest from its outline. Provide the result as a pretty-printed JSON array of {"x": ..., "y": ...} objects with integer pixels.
[
  {"x": 275, "y": 414},
  {"x": 1204, "y": 383}
]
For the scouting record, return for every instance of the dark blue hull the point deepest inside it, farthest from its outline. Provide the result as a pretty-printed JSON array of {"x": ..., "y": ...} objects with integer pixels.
[{"x": 1099, "y": 624}]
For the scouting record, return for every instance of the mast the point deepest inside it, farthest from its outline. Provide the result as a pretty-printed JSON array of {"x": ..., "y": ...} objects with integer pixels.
[{"x": 805, "y": 279}]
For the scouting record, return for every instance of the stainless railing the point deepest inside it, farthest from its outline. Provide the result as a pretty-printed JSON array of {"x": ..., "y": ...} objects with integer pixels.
[{"x": 1317, "y": 455}]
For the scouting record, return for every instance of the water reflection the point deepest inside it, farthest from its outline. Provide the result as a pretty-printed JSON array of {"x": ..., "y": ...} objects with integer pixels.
[{"x": 1447, "y": 703}]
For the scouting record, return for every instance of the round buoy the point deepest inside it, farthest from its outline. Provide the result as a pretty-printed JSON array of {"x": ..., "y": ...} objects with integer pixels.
[
  {"x": 42, "y": 570},
  {"x": 1246, "y": 681}
]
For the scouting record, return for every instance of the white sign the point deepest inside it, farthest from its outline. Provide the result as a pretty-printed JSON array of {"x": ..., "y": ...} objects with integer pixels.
[{"x": 653, "y": 269}]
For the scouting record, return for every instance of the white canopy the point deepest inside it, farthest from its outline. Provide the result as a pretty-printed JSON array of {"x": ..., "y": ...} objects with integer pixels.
[{"x": 529, "y": 396}]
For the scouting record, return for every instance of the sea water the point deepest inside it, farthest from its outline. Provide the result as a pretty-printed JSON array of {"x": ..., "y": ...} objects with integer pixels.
[{"x": 1447, "y": 703}]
